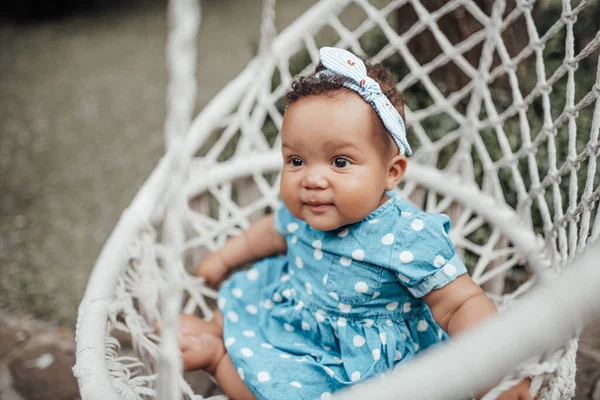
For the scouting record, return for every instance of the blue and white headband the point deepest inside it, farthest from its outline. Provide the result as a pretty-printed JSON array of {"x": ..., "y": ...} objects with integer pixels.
[{"x": 340, "y": 62}]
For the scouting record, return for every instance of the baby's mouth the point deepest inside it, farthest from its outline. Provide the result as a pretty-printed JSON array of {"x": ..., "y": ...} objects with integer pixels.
[{"x": 318, "y": 207}]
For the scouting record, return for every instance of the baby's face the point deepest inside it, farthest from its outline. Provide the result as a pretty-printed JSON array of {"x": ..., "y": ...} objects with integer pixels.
[{"x": 335, "y": 172}]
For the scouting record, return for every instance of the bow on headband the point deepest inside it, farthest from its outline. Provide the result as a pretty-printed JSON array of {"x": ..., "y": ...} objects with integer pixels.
[{"x": 340, "y": 62}]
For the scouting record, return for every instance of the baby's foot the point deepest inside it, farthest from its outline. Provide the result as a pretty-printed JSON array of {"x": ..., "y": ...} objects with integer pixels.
[
  {"x": 203, "y": 351},
  {"x": 190, "y": 325}
]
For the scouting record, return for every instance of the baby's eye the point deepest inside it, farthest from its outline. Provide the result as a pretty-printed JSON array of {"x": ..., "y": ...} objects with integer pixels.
[
  {"x": 295, "y": 161},
  {"x": 341, "y": 162}
]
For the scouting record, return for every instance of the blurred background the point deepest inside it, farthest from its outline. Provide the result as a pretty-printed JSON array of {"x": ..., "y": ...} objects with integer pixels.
[{"x": 82, "y": 106}]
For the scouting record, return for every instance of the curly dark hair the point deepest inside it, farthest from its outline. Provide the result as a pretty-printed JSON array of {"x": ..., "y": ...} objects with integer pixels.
[{"x": 311, "y": 85}]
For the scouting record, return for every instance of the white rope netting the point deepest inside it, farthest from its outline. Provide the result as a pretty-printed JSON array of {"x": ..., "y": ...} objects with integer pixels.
[{"x": 504, "y": 119}]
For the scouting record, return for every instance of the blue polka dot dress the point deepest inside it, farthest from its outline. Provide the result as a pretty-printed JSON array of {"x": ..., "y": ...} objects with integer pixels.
[{"x": 341, "y": 306}]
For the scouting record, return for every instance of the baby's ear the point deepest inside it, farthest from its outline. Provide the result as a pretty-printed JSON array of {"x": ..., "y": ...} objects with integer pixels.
[{"x": 396, "y": 169}]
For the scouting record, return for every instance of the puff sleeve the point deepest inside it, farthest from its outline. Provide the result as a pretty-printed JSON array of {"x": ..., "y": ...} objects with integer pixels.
[{"x": 423, "y": 256}]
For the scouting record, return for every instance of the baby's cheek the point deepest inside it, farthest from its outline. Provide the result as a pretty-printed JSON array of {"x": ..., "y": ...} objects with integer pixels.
[
  {"x": 357, "y": 202},
  {"x": 289, "y": 195}
]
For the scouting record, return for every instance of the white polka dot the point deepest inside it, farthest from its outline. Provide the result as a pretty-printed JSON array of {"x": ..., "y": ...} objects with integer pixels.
[
  {"x": 403, "y": 336},
  {"x": 389, "y": 322},
  {"x": 406, "y": 214},
  {"x": 277, "y": 297},
  {"x": 288, "y": 327},
  {"x": 268, "y": 304},
  {"x": 291, "y": 272},
  {"x": 326, "y": 348},
  {"x": 249, "y": 333},
  {"x": 326, "y": 396},
  {"x": 341, "y": 321},
  {"x": 233, "y": 317},
  {"x": 344, "y": 232},
  {"x": 383, "y": 337},
  {"x": 229, "y": 341},
  {"x": 355, "y": 376},
  {"x": 284, "y": 278},
  {"x": 308, "y": 287},
  {"x": 376, "y": 354},
  {"x": 317, "y": 244},
  {"x": 266, "y": 345},
  {"x": 252, "y": 274},
  {"x": 318, "y": 253},
  {"x": 345, "y": 261},
  {"x": 406, "y": 256},
  {"x": 320, "y": 315},
  {"x": 391, "y": 306},
  {"x": 373, "y": 221},
  {"x": 422, "y": 325},
  {"x": 369, "y": 322},
  {"x": 237, "y": 293},
  {"x": 299, "y": 262},
  {"x": 299, "y": 305},
  {"x": 295, "y": 384},
  {"x": 286, "y": 293},
  {"x": 375, "y": 295},
  {"x": 416, "y": 346},
  {"x": 403, "y": 278},
  {"x": 388, "y": 239},
  {"x": 329, "y": 371},
  {"x": 240, "y": 373},
  {"x": 263, "y": 376},
  {"x": 294, "y": 239},
  {"x": 440, "y": 334},
  {"x": 246, "y": 352},
  {"x": 344, "y": 307},
  {"x": 406, "y": 307},
  {"x": 417, "y": 225},
  {"x": 361, "y": 287},
  {"x": 285, "y": 355},
  {"x": 358, "y": 254},
  {"x": 334, "y": 296},
  {"x": 292, "y": 227},
  {"x": 337, "y": 360},
  {"x": 439, "y": 261},
  {"x": 358, "y": 341},
  {"x": 325, "y": 279},
  {"x": 221, "y": 303},
  {"x": 398, "y": 355},
  {"x": 305, "y": 326},
  {"x": 449, "y": 269}
]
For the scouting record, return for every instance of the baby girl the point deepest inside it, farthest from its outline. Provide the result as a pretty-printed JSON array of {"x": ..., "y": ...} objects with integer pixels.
[{"x": 351, "y": 280}]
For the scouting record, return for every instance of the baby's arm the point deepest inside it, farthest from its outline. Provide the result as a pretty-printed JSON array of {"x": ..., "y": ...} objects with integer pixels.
[
  {"x": 461, "y": 304},
  {"x": 260, "y": 240}
]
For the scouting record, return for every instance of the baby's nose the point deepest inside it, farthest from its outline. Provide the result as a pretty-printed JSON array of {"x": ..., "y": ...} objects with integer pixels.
[{"x": 315, "y": 181}]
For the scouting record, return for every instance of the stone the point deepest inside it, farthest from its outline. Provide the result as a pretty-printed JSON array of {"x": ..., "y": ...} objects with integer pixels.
[
  {"x": 10, "y": 339},
  {"x": 596, "y": 390},
  {"x": 44, "y": 373}
]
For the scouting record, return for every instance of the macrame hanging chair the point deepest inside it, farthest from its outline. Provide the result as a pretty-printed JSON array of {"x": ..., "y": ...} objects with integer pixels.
[{"x": 505, "y": 134}]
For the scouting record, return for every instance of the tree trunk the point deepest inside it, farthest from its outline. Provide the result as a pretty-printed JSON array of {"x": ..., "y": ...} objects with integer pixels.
[{"x": 457, "y": 26}]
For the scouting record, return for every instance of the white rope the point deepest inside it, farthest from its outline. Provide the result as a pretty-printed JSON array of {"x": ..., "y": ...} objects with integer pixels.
[{"x": 184, "y": 17}]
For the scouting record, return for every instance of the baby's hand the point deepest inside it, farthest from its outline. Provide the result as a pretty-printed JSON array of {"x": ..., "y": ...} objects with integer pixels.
[
  {"x": 518, "y": 392},
  {"x": 213, "y": 269}
]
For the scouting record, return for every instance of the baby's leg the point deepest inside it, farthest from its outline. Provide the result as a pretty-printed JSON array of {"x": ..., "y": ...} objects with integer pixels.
[{"x": 208, "y": 352}]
